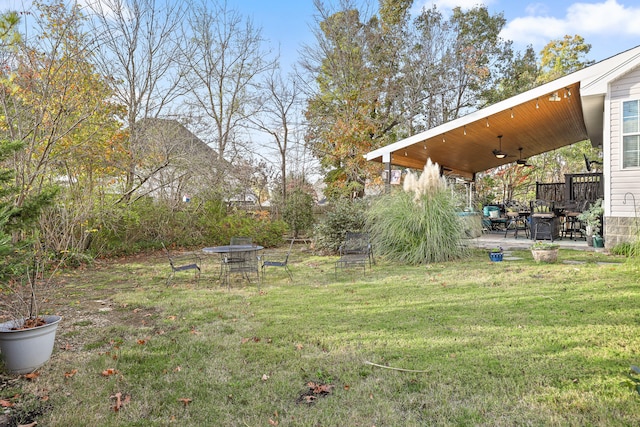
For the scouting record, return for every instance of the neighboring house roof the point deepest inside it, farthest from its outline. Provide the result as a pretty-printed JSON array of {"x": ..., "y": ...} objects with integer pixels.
[
  {"x": 172, "y": 136},
  {"x": 559, "y": 113}
]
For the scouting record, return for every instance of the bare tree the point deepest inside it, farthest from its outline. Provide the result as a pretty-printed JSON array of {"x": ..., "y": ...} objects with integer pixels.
[
  {"x": 280, "y": 101},
  {"x": 224, "y": 61},
  {"x": 136, "y": 43}
]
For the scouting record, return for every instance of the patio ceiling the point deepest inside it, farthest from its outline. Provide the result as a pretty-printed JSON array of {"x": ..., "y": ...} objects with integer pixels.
[
  {"x": 556, "y": 114},
  {"x": 544, "y": 123}
]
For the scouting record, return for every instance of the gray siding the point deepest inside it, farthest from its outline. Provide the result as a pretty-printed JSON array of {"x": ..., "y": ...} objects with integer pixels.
[{"x": 622, "y": 181}]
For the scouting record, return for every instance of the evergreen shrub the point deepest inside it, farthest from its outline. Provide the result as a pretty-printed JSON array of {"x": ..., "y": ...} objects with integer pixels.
[{"x": 343, "y": 215}]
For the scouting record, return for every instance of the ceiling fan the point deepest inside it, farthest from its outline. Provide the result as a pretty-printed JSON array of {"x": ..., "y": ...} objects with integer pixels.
[
  {"x": 521, "y": 161},
  {"x": 499, "y": 153},
  {"x": 588, "y": 163}
]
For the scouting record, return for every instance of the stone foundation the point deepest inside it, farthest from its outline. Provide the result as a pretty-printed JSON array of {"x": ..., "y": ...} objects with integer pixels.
[{"x": 619, "y": 230}]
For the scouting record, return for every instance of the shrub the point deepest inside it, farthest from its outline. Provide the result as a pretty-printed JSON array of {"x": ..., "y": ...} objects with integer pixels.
[
  {"x": 344, "y": 215},
  {"x": 262, "y": 229},
  {"x": 418, "y": 224},
  {"x": 298, "y": 211}
]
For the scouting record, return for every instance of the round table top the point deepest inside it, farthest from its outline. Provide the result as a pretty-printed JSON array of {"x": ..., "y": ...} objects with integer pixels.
[{"x": 231, "y": 248}]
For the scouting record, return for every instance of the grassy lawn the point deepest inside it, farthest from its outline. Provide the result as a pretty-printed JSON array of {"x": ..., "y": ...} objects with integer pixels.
[{"x": 495, "y": 344}]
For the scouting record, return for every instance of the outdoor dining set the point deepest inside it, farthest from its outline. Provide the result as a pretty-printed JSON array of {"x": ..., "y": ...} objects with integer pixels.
[
  {"x": 243, "y": 258},
  {"x": 240, "y": 257},
  {"x": 540, "y": 220}
]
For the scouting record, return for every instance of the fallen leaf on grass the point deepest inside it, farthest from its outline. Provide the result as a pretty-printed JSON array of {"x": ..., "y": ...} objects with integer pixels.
[
  {"x": 121, "y": 400},
  {"x": 109, "y": 372},
  {"x": 32, "y": 376},
  {"x": 66, "y": 347},
  {"x": 299, "y": 346},
  {"x": 33, "y": 424},
  {"x": 184, "y": 400},
  {"x": 5, "y": 403},
  {"x": 265, "y": 377},
  {"x": 70, "y": 373},
  {"x": 272, "y": 422},
  {"x": 142, "y": 342}
]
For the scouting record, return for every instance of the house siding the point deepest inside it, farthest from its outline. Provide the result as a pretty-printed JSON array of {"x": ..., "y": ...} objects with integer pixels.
[{"x": 620, "y": 224}]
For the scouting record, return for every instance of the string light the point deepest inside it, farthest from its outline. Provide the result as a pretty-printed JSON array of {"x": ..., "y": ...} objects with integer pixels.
[
  {"x": 487, "y": 121},
  {"x": 512, "y": 113},
  {"x": 464, "y": 129},
  {"x": 537, "y": 104}
]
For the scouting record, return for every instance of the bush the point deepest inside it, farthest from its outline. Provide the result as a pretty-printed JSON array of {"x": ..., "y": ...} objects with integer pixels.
[
  {"x": 344, "y": 215},
  {"x": 264, "y": 232},
  {"x": 418, "y": 225},
  {"x": 298, "y": 211}
]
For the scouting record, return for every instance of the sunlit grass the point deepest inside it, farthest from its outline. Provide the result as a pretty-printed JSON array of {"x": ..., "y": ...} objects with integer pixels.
[{"x": 511, "y": 343}]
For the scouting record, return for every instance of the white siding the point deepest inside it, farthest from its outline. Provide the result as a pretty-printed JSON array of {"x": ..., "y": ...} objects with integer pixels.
[{"x": 622, "y": 181}]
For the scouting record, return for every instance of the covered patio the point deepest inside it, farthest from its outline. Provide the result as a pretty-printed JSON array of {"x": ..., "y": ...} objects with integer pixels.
[
  {"x": 584, "y": 105},
  {"x": 559, "y": 113}
]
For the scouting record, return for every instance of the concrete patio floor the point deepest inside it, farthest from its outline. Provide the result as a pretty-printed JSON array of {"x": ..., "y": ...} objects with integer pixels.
[{"x": 494, "y": 239}]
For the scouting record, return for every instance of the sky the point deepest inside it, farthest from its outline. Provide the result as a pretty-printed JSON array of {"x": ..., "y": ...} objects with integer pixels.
[{"x": 610, "y": 26}]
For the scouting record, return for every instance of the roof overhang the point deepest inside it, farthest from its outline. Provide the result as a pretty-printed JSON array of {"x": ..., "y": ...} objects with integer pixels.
[{"x": 559, "y": 113}]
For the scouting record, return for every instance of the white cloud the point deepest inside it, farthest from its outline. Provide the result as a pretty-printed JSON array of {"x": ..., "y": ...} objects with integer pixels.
[{"x": 607, "y": 18}]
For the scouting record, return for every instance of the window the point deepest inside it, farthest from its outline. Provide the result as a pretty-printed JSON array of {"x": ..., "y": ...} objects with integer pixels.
[{"x": 631, "y": 134}]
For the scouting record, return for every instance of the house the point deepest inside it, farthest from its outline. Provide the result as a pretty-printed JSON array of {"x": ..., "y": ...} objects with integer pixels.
[
  {"x": 177, "y": 163},
  {"x": 600, "y": 103}
]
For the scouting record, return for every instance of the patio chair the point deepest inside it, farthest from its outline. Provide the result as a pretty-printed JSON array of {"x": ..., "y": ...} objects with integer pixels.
[
  {"x": 516, "y": 222},
  {"x": 241, "y": 241},
  {"x": 181, "y": 263},
  {"x": 241, "y": 262},
  {"x": 238, "y": 241},
  {"x": 571, "y": 225},
  {"x": 269, "y": 263},
  {"x": 543, "y": 220},
  {"x": 355, "y": 251}
]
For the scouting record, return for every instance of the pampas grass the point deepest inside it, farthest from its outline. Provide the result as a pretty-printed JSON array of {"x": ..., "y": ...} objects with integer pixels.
[{"x": 419, "y": 224}]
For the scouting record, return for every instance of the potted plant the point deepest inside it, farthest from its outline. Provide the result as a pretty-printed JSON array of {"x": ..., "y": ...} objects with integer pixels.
[
  {"x": 591, "y": 219},
  {"x": 545, "y": 251},
  {"x": 495, "y": 254},
  {"x": 26, "y": 341}
]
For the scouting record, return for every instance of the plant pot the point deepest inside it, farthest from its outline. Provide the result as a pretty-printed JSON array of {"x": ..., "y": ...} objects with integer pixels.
[
  {"x": 25, "y": 350},
  {"x": 545, "y": 255},
  {"x": 495, "y": 256},
  {"x": 598, "y": 242}
]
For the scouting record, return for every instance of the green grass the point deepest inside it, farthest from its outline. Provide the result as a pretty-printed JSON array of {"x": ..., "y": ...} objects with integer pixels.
[{"x": 500, "y": 344}]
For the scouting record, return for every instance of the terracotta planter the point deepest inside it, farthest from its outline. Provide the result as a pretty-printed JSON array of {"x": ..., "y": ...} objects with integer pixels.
[
  {"x": 545, "y": 255},
  {"x": 25, "y": 350}
]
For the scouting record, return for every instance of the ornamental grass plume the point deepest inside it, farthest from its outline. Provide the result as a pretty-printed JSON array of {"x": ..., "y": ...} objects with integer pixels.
[
  {"x": 429, "y": 183},
  {"x": 420, "y": 224}
]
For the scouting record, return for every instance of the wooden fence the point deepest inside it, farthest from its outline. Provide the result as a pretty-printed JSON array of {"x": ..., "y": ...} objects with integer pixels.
[{"x": 579, "y": 187}]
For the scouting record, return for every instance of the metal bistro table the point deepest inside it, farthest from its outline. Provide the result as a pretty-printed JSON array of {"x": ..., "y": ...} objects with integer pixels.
[{"x": 241, "y": 259}]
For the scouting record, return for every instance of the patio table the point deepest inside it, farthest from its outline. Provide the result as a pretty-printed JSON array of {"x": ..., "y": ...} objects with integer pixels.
[{"x": 246, "y": 254}]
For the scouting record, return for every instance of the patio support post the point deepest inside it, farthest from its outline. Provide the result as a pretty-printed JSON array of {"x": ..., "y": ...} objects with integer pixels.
[{"x": 386, "y": 158}]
